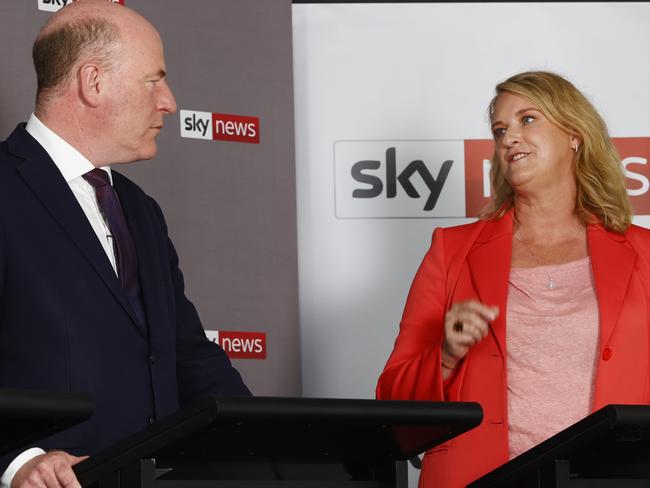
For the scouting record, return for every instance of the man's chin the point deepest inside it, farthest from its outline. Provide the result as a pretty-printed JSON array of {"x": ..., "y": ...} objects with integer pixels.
[
  {"x": 137, "y": 156},
  {"x": 147, "y": 152},
  {"x": 148, "y": 155}
]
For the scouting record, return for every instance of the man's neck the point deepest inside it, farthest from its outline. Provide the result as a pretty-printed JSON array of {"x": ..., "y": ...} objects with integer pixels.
[{"x": 66, "y": 124}]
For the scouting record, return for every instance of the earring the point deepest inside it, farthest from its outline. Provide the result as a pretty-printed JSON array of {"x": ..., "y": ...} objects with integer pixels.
[{"x": 576, "y": 147}]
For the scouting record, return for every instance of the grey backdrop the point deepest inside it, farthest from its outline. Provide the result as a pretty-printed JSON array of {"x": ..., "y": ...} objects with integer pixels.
[{"x": 230, "y": 206}]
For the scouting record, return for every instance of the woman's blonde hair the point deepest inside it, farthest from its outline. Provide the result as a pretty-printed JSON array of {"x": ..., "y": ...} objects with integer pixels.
[{"x": 601, "y": 193}]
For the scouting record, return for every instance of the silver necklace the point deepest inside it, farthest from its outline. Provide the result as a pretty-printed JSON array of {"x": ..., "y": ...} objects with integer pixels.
[{"x": 551, "y": 284}]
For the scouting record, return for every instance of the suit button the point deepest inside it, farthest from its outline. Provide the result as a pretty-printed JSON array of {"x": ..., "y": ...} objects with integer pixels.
[
  {"x": 152, "y": 358},
  {"x": 607, "y": 353},
  {"x": 151, "y": 420}
]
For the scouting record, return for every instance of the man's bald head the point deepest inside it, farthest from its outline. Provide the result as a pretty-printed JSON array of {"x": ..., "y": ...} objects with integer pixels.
[
  {"x": 82, "y": 31},
  {"x": 101, "y": 81}
]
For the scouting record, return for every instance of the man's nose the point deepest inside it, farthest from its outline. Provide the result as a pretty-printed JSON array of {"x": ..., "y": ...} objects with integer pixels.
[{"x": 166, "y": 102}]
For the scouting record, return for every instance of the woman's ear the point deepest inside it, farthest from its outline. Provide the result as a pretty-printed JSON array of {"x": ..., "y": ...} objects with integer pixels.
[{"x": 576, "y": 142}]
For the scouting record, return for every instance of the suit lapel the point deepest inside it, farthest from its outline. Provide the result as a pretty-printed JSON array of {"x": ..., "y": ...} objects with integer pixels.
[
  {"x": 489, "y": 263},
  {"x": 612, "y": 262},
  {"x": 46, "y": 182}
]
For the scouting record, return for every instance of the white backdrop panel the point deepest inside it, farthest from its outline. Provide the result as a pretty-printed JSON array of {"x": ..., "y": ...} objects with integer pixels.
[{"x": 369, "y": 77}]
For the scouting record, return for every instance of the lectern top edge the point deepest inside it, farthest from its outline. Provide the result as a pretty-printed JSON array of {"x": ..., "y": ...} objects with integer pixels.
[
  {"x": 233, "y": 428},
  {"x": 336, "y": 409}
]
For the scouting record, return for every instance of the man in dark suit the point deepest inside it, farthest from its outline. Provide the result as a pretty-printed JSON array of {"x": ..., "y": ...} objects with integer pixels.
[{"x": 91, "y": 296}]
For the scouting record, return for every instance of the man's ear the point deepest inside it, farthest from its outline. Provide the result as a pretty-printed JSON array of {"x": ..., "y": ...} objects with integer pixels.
[{"x": 91, "y": 83}]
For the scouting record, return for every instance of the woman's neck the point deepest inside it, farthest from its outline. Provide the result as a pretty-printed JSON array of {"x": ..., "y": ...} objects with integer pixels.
[{"x": 547, "y": 221}]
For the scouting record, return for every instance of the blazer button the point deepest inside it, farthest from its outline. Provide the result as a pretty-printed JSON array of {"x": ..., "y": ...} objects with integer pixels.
[
  {"x": 152, "y": 358},
  {"x": 607, "y": 353},
  {"x": 151, "y": 420}
]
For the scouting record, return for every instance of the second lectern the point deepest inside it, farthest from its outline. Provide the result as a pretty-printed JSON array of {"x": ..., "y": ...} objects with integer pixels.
[{"x": 608, "y": 449}]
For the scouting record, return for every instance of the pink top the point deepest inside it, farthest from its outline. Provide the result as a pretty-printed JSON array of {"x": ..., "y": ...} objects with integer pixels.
[{"x": 551, "y": 340}]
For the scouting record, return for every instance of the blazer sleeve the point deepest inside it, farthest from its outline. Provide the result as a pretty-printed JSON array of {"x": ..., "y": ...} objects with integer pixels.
[
  {"x": 202, "y": 367},
  {"x": 414, "y": 370}
]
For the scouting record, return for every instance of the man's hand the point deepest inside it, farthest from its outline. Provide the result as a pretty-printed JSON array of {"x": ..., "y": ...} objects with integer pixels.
[{"x": 50, "y": 470}]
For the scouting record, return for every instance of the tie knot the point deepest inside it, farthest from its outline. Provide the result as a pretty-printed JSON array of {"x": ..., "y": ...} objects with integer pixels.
[{"x": 97, "y": 178}]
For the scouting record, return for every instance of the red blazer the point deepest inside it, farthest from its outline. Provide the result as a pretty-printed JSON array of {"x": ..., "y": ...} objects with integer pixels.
[{"x": 473, "y": 262}]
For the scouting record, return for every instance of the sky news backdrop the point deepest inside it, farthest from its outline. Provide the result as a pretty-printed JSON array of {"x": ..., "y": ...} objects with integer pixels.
[
  {"x": 224, "y": 174},
  {"x": 392, "y": 140}
]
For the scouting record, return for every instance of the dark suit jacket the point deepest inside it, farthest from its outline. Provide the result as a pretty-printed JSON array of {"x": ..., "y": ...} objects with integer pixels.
[
  {"x": 472, "y": 261},
  {"x": 65, "y": 322}
]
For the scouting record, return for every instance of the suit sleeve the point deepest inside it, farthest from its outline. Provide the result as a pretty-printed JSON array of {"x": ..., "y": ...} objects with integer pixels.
[
  {"x": 414, "y": 370},
  {"x": 202, "y": 367}
]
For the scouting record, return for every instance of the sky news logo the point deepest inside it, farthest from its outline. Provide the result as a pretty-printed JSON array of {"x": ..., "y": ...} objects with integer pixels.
[
  {"x": 240, "y": 345},
  {"x": 444, "y": 178},
  {"x": 55, "y": 5},
  {"x": 220, "y": 127}
]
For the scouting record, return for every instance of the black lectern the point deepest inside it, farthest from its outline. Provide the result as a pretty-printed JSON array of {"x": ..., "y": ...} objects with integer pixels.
[
  {"x": 609, "y": 448},
  {"x": 279, "y": 442},
  {"x": 29, "y": 415}
]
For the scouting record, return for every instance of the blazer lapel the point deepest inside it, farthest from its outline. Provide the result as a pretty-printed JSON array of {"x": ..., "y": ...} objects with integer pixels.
[
  {"x": 46, "y": 182},
  {"x": 489, "y": 263},
  {"x": 612, "y": 262}
]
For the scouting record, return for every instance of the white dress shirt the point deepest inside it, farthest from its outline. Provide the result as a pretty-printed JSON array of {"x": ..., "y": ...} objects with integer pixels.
[{"x": 72, "y": 165}]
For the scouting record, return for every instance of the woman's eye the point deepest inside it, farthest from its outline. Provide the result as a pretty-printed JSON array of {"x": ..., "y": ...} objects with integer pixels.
[
  {"x": 498, "y": 132},
  {"x": 527, "y": 119}
]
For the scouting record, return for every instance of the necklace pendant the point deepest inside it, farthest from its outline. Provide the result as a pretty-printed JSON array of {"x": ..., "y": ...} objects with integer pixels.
[{"x": 551, "y": 285}]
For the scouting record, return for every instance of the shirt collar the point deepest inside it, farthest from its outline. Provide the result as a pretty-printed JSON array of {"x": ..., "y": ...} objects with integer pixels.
[{"x": 71, "y": 163}]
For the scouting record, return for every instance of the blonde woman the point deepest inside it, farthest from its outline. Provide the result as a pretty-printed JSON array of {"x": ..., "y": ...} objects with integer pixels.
[{"x": 538, "y": 311}]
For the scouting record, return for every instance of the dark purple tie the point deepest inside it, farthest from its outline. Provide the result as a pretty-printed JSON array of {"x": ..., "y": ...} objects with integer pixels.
[{"x": 123, "y": 245}]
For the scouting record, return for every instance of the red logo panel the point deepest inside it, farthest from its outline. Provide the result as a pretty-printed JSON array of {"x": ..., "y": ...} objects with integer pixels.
[
  {"x": 635, "y": 154},
  {"x": 478, "y": 153},
  {"x": 243, "y": 345},
  {"x": 238, "y": 128}
]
